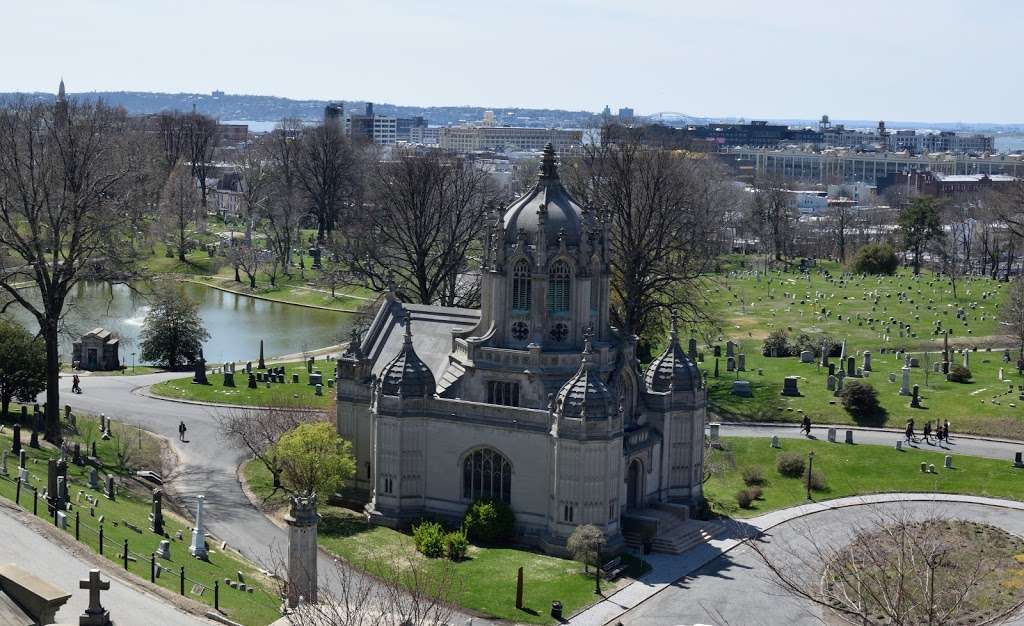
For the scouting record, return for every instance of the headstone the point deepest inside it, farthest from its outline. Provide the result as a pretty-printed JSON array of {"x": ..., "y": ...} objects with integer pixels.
[
  {"x": 915, "y": 399},
  {"x": 262, "y": 364},
  {"x": 229, "y": 378},
  {"x": 94, "y": 480},
  {"x": 831, "y": 369},
  {"x": 330, "y": 383},
  {"x": 866, "y": 365},
  {"x": 3, "y": 466},
  {"x": 309, "y": 365},
  {"x": 198, "y": 545},
  {"x": 200, "y": 370},
  {"x": 717, "y": 350},
  {"x": 51, "y": 485},
  {"x": 62, "y": 520},
  {"x": 252, "y": 381},
  {"x": 302, "y": 520},
  {"x": 95, "y": 614},
  {"x": 1018, "y": 459},
  {"x": 830, "y": 383},
  {"x": 948, "y": 463},
  {"x": 931, "y": 468},
  {"x": 716, "y": 368},
  {"x": 714, "y": 429},
  {"x": 832, "y": 435},
  {"x": 899, "y": 444},
  {"x": 76, "y": 454},
  {"x": 905, "y": 385},
  {"x": 295, "y": 378},
  {"x": 248, "y": 367},
  {"x": 730, "y": 349},
  {"x": 807, "y": 356},
  {"x": 915, "y": 362},
  {"x": 109, "y": 489},
  {"x": 16, "y": 438},
  {"x": 741, "y": 388},
  {"x": 967, "y": 359},
  {"x": 789, "y": 386},
  {"x": 849, "y": 436},
  {"x": 1000, "y": 374},
  {"x": 692, "y": 348},
  {"x": 156, "y": 517},
  {"x": 319, "y": 390},
  {"x": 164, "y": 551},
  {"x": 741, "y": 365},
  {"x": 851, "y": 366},
  {"x": 730, "y": 365},
  {"x": 775, "y": 441}
]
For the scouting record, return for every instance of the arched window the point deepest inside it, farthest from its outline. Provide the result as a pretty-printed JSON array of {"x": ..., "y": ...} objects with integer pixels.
[
  {"x": 487, "y": 475},
  {"x": 558, "y": 287},
  {"x": 521, "y": 287}
]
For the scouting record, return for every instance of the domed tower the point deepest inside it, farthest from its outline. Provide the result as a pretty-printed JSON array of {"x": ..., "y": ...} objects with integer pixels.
[
  {"x": 675, "y": 400},
  {"x": 586, "y": 444}
]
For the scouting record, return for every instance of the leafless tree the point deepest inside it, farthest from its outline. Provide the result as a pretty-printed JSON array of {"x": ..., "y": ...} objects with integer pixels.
[
  {"x": 840, "y": 218},
  {"x": 255, "y": 168},
  {"x": 200, "y": 134},
  {"x": 256, "y": 430},
  {"x": 283, "y": 211},
  {"x": 896, "y": 569},
  {"x": 249, "y": 258},
  {"x": 178, "y": 207},
  {"x": 774, "y": 214},
  {"x": 327, "y": 169},
  {"x": 664, "y": 213},
  {"x": 427, "y": 212},
  {"x": 1012, "y": 312},
  {"x": 63, "y": 173}
]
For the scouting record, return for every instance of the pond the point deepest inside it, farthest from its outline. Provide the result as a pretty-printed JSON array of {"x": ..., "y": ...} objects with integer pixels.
[{"x": 236, "y": 323}]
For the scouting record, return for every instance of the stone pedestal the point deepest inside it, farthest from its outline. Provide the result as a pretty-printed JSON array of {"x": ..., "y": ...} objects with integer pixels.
[
  {"x": 302, "y": 520},
  {"x": 905, "y": 386}
]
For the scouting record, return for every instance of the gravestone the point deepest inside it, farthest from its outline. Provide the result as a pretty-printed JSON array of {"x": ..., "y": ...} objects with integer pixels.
[
  {"x": 692, "y": 348},
  {"x": 899, "y": 444},
  {"x": 830, "y": 383},
  {"x": 717, "y": 351},
  {"x": 51, "y": 485},
  {"x": 252, "y": 381},
  {"x": 94, "y": 479},
  {"x": 915, "y": 400},
  {"x": 330, "y": 383},
  {"x": 95, "y": 614},
  {"x": 716, "y": 368},
  {"x": 248, "y": 367},
  {"x": 714, "y": 429},
  {"x": 198, "y": 546},
  {"x": 730, "y": 365},
  {"x": 730, "y": 349},
  {"x": 741, "y": 365},
  {"x": 262, "y": 364},
  {"x": 156, "y": 517},
  {"x": 3, "y": 466},
  {"x": 807, "y": 356},
  {"x": 915, "y": 362},
  {"x": 789, "y": 386},
  {"x": 309, "y": 365},
  {"x": 164, "y": 551},
  {"x": 832, "y": 435},
  {"x": 905, "y": 385},
  {"x": 229, "y": 378},
  {"x": 948, "y": 464},
  {"x": 741, "y": 388},
  {"x": 967, "y": 359},
  {"x": 831, "y": 369},
  {"x": 200, "y": 370},
  {"x": 1018, "y": 460},
  {"x": 849, "y": 436},
  {"x": 851, "y": 366},
  {"x": 76, "y": 454},
  {"x": 16, "y": 439},
  {"x": 775, "y": 441},
  {"x": 109, "y": 489},
  {"x": 866, "y": 365},
  {"x": 319, "y": 390}
]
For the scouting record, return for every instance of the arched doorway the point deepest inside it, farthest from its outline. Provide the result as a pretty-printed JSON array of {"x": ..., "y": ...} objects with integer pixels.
[{"x": 635, "y": 485}]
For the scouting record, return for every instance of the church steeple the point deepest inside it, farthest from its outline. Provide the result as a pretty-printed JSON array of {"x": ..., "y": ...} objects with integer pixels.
[{"x": 60, "y": 90}]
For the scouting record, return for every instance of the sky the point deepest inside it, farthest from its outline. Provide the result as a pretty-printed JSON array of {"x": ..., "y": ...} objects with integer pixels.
[{"x": 921, "y": 60}]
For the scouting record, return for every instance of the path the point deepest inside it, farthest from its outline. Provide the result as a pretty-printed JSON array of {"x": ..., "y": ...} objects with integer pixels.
[{"x": 51, "y": 561}]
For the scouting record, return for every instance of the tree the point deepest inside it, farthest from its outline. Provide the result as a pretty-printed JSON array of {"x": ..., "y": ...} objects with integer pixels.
[
  {"x": 920, "y": 226},
  {"x": 314, "y": 459},
  {"x": 178, "y": 206},
  {"x": 249, "y": 258},
  {"x": 284, "y": 207},
  {"x": 775, "y": 214},
  {"x": 200, "y": 135},
  {"x": 428, "y": 211},
  {"x": 326, "y": 168},
  {"x": 585, "y": 544},
  {"x": 663, "y": 211},
  {"x": 257, "y": 430},
  {"x": 22, "y": 365},
  {"x": 64, "y": 172},
  {"x": 875, "y": 258},
  {"x": 172, "y": 333},
  {"x": 1012, "y": 311}
]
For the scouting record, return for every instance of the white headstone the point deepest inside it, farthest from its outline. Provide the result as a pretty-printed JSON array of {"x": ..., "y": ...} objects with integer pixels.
[
  {"x": 775, "y": 441},
  {"x": 198, "y": 545},
  {"x": 905, "y": 387}
]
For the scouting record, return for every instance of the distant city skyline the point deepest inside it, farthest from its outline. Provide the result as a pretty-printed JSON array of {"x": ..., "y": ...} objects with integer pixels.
[{"x": 937, "y": 61}]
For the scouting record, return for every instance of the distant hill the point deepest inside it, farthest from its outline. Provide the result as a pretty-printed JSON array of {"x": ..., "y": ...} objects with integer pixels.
[{"x": 272, "y": 109}]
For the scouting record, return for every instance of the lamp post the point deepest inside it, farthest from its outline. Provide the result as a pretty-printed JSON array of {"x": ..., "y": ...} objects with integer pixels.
[
  {"x": 810, "y": 467},
  {"x": 133, "y": 363}
]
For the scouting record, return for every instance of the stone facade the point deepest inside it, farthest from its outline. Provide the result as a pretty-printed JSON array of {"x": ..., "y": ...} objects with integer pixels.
[
  {"x": 534, "y": 400},
  {"x": 97, "y": 351}
]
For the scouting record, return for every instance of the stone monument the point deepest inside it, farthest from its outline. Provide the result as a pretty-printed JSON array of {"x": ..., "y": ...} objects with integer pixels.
[
  {"x": 200, "y": 375},
  {"x": 156, "y": 517},
  {"x": 198, "y": 546},
  {"x": 302, "y": 520},
  {"x": 95, "y": 615}
]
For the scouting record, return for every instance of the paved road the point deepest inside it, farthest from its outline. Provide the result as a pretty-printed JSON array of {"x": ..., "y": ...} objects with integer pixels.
[
  {"x": 49, "y": 560},
  {"x": 737, "y": 588},
  {"x": 958, "y": 445}
]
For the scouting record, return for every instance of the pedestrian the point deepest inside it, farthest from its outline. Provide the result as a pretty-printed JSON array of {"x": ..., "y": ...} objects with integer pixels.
[
  {"x": 76, "y": 384},
  {"x": 927, "y": 430},
  {"x": 941, "y": 434},
  {"x": 909, "y": 434},
  {"x": 181, "y": 431},
  {"x": 947, "y": 431},
  {"x": 806, "y": 426}
]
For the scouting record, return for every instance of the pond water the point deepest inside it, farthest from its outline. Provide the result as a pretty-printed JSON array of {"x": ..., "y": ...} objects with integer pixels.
[{"x": 236, "y": 323}]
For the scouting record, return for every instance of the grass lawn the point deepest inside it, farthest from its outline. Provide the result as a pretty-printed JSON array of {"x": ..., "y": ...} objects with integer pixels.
[
  {"x": 133, "y": 505},
  {"x": 851, "y": 470},
  {"x": 488, "y": 575},
  {"x": 752, "y": 308},
  {"x": 979, "y": 407},
  {"x": 138, "y": 370},
  {"x": 293, "y": 290},
  {"x": 276, "y": 395}
]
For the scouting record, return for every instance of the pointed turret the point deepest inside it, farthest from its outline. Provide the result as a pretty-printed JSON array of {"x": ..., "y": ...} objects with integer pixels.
[
  {"x": 673, "y": 370},
  {"x": 585, "y": 395},
  {"x": 407, "y": 375}
]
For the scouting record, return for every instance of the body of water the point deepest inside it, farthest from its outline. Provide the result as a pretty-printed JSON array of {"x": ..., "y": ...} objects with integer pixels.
[{"x": 236, "y": 323}]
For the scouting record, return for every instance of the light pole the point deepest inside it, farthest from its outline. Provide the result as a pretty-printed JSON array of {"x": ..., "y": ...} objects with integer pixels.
[
  {"x": 133, "y": 363},
  {"x": 810, "y": 467}
]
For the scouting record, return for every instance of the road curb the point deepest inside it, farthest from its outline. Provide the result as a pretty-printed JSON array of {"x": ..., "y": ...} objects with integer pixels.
[
  {"x": 141, "y": 391},
  {"x": 266, "y": 299},
  {"x": 895, "y": 431}
]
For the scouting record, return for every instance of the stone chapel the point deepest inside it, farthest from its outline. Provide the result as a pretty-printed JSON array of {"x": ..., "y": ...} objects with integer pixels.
[{"x": 534, "y": 400}]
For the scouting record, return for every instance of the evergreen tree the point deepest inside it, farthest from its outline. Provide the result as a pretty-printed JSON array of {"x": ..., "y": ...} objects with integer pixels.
[
  {"x": 173, "y": 333},
  {"x": 22, "y": 365}
]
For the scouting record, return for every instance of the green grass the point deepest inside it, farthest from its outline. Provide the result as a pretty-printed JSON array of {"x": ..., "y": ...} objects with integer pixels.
[
  {"x": 488, "y": 575},
  {"x": 980, "y": 407},
  {"x": 293, "y": 290},
  {"x": 851, "y": 470},
  {"x": 138, "y": 370},
  {"x": 257, "y": 609},
  {"x": 276, "y": 395}
]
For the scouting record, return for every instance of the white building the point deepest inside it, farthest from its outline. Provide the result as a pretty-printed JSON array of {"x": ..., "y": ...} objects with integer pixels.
[{"x": 507, "y": 139}]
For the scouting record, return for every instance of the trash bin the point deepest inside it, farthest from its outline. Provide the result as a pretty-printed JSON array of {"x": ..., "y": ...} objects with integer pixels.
[{"x": 556, "y": 609}]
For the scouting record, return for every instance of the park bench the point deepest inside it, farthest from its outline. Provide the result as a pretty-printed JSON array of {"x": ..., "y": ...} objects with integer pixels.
[{"x": 613, "y": 569}]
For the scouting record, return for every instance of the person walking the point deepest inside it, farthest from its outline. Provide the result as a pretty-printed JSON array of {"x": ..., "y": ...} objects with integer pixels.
[
  {"x": 806, "y": 425},
  {"x": 927, "y": 430},
  {"x": 76, "y": 386},
  {"x": 946, "y": 431},
  {"x": 910, "y": 431},
  {"x": 181, "y": 431}
]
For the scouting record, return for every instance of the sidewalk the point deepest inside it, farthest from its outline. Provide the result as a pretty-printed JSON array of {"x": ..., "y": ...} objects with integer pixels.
[{"x": 666, "y": 569}]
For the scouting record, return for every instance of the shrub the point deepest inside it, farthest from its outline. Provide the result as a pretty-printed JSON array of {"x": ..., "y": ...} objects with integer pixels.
[
  {"x": 791, "y": 464},
  {"x": 875, "y": 258},
  {"x": 429, "y": 538},
  {"x": 744, "y": 499},
  {"x": 487, "y": 521},
  {"x": 755, "y": 492},
  {"x": 753, "y": 475},
  {"x": 818, "y": 481},
  {"x": 455, "y": 545},
  {"x": 959, "y": 374},
  {"x": 859, "y": 399},
  {"x": 777, "y": 340}
]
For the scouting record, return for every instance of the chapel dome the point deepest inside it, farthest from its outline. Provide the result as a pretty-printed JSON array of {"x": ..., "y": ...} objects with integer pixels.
[
  {"x": 547, "y": 202},
  {"x": 585, "y": 395},
  {"x": 407, "y": 375},
  {"x": 673, "y": 370}
]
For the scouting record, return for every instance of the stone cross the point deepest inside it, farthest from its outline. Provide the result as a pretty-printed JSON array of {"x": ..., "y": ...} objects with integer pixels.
[{"x": 95, "y": 615}]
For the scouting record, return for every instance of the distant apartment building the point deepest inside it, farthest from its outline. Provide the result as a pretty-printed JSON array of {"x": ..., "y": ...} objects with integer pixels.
[
  {"x": 626, "y": 115},
  {"x": 507, "y": 139},
  {"x": 384, "y": 130},
  {"x": 945, "y": 141},
  {"x": 936, "y": 184},
  {"x": 424, "y": 135}
]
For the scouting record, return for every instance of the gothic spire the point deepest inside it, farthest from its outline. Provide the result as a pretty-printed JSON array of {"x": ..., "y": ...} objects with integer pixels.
[{"x": 548, "y": 165}]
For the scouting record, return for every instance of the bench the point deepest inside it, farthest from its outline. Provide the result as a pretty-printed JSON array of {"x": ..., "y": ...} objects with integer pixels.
[{"x": 613, "y": 569}]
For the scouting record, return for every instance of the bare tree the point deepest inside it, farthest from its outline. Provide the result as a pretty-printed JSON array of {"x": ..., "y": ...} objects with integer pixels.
[
  {"x": 256, "y": 430},
  {"x": 200, "y": 135},
  {"x": 664, "y": 215},
  {"x": 1012, "y": 312},
  {"x": 249, "y": 258},
  {"x": 178, "y": 207},
  {"x": 774, "y": 213},
  {"x": 284, "y": 208},
  {"x": 327, "y": 164},
  {"x": 256, "y": 170},
  {"x": 428, "y": 211},
  {"x": 896, "y": 569},
  {"x": 63, "y": 173}
]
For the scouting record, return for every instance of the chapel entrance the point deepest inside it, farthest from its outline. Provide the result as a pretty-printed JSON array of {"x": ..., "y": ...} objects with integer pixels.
[
  {"x": 92, "y": 361},
  {"x": 635, "y": 485}
]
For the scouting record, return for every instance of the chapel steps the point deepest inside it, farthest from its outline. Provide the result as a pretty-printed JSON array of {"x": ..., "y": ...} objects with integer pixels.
[{"x": 676, "y": 534}]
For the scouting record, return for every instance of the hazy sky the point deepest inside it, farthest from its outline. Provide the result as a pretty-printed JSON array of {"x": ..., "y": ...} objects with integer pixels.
[{"x": 929, "y": 60}]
